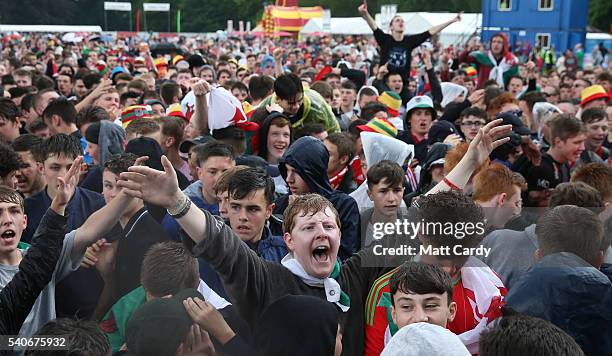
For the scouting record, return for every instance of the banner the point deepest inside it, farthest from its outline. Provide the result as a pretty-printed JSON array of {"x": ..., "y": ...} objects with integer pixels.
[
  {"x": 118, "y": 6},
  {"x": 161, "y": 7}
]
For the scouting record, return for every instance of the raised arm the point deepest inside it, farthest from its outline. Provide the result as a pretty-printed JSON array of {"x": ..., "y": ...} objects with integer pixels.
[
  {"x": 200, "y": 88},
  {"x": 102, "y": 88},
  {"x": 479, "y": 150},
  {"x": 434, "y": 30},
  {"x": 101, "y": 222},
  {"x": 278, "y": 61},
  {"x": 161, "y": 188},
  {"x": 37, "y": 267},
  {"x": 363, "y": 10}
]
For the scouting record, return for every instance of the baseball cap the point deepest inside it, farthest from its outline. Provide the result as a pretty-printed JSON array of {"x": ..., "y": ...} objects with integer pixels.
[
  {"x": 439, "y": 130},
  {"x": 510, "y": 118},
  {"x": 186, "y": 145},
  {"x": 421, "y": 102}
]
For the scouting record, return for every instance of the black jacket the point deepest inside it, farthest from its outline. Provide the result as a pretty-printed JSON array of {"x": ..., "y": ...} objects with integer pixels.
[
  {"x": 35, "y": 272},
  {"x": 309, "y": 157}
]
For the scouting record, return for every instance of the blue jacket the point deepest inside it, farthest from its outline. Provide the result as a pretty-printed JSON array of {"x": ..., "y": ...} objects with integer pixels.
[
  {"x": 309, "y": 157},
  {"x": 565, "y": 290},
  {"x": 270, "y": 248}
]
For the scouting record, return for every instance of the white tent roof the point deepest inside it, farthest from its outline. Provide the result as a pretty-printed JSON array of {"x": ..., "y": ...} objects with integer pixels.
[
  {"x": 49, "y": 28},
  {"x": 598, "y": 36},
  {"x": 339, "y": 26}
]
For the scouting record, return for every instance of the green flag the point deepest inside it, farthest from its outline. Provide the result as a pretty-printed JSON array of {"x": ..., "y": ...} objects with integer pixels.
[{"x": 178, "y": 21}]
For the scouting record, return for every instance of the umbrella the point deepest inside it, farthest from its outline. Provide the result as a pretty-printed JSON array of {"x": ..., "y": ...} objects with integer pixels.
[{"x": 71, "y": 37}]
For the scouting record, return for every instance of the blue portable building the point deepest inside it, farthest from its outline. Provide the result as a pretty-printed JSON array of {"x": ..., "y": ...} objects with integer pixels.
[{"x": 558, "y": 23}]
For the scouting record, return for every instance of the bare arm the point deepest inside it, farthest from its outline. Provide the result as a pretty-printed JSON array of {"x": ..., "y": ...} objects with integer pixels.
[
  {"x": 434, "y": 30},
  {"x": 106, "y": 268},
  {"x": 99, "y": 224},
  {"x": 102, "y": 221},
  {"x": 278, "y": 59},
  {"x": 200, "y": 88},
  {"x": 480, "y": 148},
  {"x": 102, "y": 88},
  {"x": 363, "y": 10}
]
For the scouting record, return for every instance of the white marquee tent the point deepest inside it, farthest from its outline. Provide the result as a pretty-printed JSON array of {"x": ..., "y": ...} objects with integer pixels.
[
  {"x": 416, "y": 22},
  {"x": 339, "y": 26}
]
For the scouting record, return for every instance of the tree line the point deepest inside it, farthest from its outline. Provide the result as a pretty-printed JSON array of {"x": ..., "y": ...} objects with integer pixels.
[{"x": 212, "y": 15}]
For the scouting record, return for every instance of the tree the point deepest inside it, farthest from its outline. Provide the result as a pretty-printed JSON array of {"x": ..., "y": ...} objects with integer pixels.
[{"x": 600, "y": 14}]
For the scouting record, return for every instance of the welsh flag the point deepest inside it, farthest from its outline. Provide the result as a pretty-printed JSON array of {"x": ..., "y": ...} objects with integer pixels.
[{"x": 508, "y": 65}]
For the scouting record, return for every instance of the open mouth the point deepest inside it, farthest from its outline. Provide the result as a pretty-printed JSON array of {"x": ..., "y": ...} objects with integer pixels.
[
  {"x": 281, "y": 147},
  {"x": 320, "y": 254},
  {"x": 8, "y": 236}
]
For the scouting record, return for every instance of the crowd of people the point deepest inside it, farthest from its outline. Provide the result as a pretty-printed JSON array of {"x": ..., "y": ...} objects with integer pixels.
[{"x": 250, "y": 196}]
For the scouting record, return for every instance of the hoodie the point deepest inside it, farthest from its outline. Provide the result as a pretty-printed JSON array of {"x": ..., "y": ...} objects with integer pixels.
[
  {"x": 309, "y": 157},
  {"x": 262, "y": 135},
  {"x": 111, "y": 140},
  {"x": 378, "y": 147},
  {"x": 508, "y": 63}
]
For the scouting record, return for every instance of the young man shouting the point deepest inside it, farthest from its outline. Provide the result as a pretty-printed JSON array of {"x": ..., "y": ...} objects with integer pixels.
[{"x": 311, "y": 232}]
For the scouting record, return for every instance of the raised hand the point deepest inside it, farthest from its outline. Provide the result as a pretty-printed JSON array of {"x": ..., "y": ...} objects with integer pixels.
[
  {"x": 363, "y": 8},
  {"x": 199, "y": 86},
  {"x": 458, "y": 17},
  {"x": 102, "y": 88},
  {"x": 477, "y": 96},
  {"x": 91, "y": 254},
  {"x": 487, "y": 139},
  {"x": 197, "y": 343},
  {"x": 278, "y": 54},
  {"x": 67, "y": 184},
  {"x": 274, "y": 107},
  {"x": 156, "y": 187},
  {"x": 209, "y": 319}
]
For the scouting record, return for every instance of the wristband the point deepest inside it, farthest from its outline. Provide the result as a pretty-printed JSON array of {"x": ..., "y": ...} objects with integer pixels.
[
  {"x": 452, "y": 185},
  {"x": 181, "y": 208}
]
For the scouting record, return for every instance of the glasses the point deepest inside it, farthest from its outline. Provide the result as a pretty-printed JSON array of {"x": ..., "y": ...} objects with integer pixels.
[{"x": 473, "y": 123}]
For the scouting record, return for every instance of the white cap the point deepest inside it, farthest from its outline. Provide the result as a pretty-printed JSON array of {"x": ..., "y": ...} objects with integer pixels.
[{"x": 416, "y": 102}]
